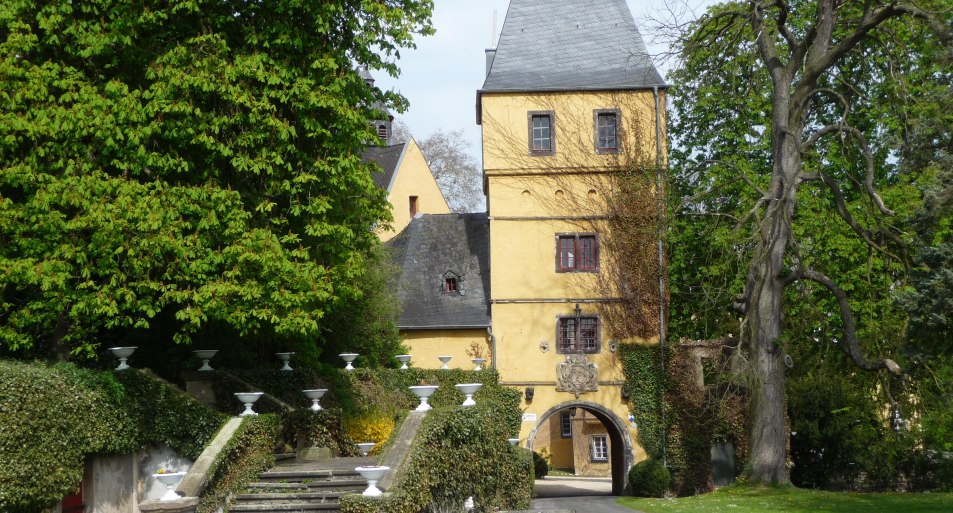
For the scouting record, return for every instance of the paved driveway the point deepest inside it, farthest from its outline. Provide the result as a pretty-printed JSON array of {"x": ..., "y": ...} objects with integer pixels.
[{"x": 584, "y": 495}]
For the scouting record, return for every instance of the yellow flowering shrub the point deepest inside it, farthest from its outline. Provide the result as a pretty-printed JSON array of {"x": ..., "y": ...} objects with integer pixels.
[{"x": 370, "y": 427}]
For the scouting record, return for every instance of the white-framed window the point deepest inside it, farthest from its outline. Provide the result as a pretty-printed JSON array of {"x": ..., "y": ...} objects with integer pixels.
[
  {"x": 598, "y": 448},
  {"x": 565, "y": 424}
]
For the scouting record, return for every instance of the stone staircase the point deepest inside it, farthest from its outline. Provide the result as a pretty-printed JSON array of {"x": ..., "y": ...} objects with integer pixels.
[{"x": 292, "y": 486}]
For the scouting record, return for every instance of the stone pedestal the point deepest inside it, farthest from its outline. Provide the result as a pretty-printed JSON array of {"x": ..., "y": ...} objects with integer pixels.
[
  {"x": 199, "y": 385},
  {"x": 313, "y": 453}
]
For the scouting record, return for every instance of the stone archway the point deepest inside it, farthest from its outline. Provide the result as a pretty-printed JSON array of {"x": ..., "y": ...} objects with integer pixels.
[{"x": 621, "y": 453}]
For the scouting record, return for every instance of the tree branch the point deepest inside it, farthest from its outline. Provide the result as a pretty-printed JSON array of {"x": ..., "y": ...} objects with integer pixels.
[
  {"x": 741, "y": 177},
  {"x": 786, "y": 33},
  {"x": 822, "y": 56},
  {"x": 868, "y": 156},
  {"x": 769, "y": 53},
  {"x": 850, "y": 346},
  {"x": 841, "y": 207}
]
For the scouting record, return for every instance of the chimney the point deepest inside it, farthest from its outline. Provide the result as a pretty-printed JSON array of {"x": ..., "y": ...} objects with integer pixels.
[{"x": 491, "y": 52}]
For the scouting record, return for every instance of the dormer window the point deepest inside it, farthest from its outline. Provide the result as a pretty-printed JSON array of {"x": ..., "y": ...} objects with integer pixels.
[
  {"x": 451, "y": 283},
  {"x": 382, "y": 131}
]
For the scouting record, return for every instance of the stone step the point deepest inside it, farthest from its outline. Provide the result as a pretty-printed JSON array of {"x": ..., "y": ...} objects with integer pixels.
[
  {"x": 302, "y": 475},
  {"x": 324, "y": 484},
  {"x": 291, "y": 496},
  {"x": 286, "y": 508}
]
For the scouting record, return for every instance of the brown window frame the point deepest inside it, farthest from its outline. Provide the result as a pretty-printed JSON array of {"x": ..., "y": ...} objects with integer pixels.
[
  {"x": 414, "y": 205},
  {"x": 577, "y": 246},
  {"x": 450, "y": 285},
  {"x": 563, "y": 348},
  {"x": 606, "y": 150},
  {"x": 551, "y": 115}
]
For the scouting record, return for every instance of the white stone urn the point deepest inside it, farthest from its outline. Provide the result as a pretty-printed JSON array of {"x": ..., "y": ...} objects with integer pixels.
[
  {"x": 365, "y": 447},
  {"x": 513, "y": 441},
  {"x": 423, "y": 392},
  {"x": 444, "y": 360},
  {"x": 123, "y": 353},
  {"x": 348, "y": 358},
  {"x": 315, "y": 395},
  {"x": 205, "y": 355},
  {"x": 373, "y": 475},
  {"x": 468, "y": 390},
  {"x": 286, "y": 359},
  {"x": 404, "y": 359},
  {"x": 170, "y": 480},
  {"x": 479, "y": 363},
  {"x": 248, "y": 398}
]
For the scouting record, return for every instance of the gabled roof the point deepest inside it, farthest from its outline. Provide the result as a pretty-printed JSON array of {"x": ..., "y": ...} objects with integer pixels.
[
  {"x": 432, "y": 248},
  {"x": 548, "y": 45},
  {"x": 388, "y": 158}
]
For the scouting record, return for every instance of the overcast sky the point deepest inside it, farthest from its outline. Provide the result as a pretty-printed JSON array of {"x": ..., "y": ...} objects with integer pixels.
[{"x": 441, "y": 77}]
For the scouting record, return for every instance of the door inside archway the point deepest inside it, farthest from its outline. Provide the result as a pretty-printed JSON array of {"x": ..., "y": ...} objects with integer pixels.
[{"x": 586, "y": 439}]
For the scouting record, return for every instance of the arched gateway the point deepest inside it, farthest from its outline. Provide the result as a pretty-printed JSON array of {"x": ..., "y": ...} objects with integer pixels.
[{"x": 621, "y": 451}]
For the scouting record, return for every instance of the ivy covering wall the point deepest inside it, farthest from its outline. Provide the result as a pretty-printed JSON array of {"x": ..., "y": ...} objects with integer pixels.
[
  {"x": 678, "y": 419},
  {"x": 52, "y": 417}
]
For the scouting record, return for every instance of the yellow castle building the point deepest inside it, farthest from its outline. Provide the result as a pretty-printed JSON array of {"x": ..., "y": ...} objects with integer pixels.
[{"x": 570, "y": 100}]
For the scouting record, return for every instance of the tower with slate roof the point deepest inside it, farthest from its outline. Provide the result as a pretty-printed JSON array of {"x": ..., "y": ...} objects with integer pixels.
[{"x": 571, "y": 97}]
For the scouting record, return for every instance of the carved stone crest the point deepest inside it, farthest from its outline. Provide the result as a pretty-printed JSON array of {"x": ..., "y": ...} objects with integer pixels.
[{"x": 576, "y": 375}]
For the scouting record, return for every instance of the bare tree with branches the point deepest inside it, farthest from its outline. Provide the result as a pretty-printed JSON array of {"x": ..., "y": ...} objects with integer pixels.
[{"x": 799, "y": 45}]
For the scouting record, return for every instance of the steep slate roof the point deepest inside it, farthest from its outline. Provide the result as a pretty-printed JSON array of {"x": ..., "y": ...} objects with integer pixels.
[
  {"x": 431, "y": 246},
  {"x": 554, "y": 45},
  {"x": 387, "y": 158}
]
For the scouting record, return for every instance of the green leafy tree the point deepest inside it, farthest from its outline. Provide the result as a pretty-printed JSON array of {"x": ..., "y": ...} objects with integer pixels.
[
  {"x": 792, "y": 115},
  {"x": 174, "y": 165}
]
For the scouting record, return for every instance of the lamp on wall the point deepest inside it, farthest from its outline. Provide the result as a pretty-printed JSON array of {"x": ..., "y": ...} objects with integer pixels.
[
  {"x": 577, "y": 311},
  {"x": 528, "y": 393},
  {"x": 625, "y": 392},
  {"x": 572, "y": 411}
]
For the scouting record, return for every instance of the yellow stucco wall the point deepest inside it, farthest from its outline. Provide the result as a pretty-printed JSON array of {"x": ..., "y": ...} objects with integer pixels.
[
  {"x": 427, "y": 345},
  {"x": 412, "y": 178},
  {"x": 504, "y": 117}
]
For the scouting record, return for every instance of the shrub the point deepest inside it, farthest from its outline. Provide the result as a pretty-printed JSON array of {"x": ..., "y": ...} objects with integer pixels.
[
  {"x": 247, "y": 454},
  {"x": 370, "y": 428},
  {"x": 459, "y": 452},
  {"x": 649, "y": 478},
  {"x": 540, "y": 466}
]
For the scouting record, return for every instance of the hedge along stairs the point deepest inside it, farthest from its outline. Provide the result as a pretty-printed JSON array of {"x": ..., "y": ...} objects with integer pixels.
[{"x": 319, "y": 484}]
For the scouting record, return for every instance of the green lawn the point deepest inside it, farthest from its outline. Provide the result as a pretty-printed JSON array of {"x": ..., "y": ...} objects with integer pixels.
[{"x": 743, "y": 499}]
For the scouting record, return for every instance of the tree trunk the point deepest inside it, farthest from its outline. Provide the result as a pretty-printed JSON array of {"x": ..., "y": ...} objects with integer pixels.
[{"x": 767, "y": 462}]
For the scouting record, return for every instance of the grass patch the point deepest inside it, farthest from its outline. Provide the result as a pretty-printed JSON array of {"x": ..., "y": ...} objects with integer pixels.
[{"x": 748, "y": 499}]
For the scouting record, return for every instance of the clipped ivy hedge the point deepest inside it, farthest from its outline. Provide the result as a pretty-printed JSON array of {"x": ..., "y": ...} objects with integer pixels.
[
  {"x": 53, "y": 416},
  {"x": 247, "y": 454},
  {"x": 645, "y": 382},
  {"x": 459, "y": 452}
]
